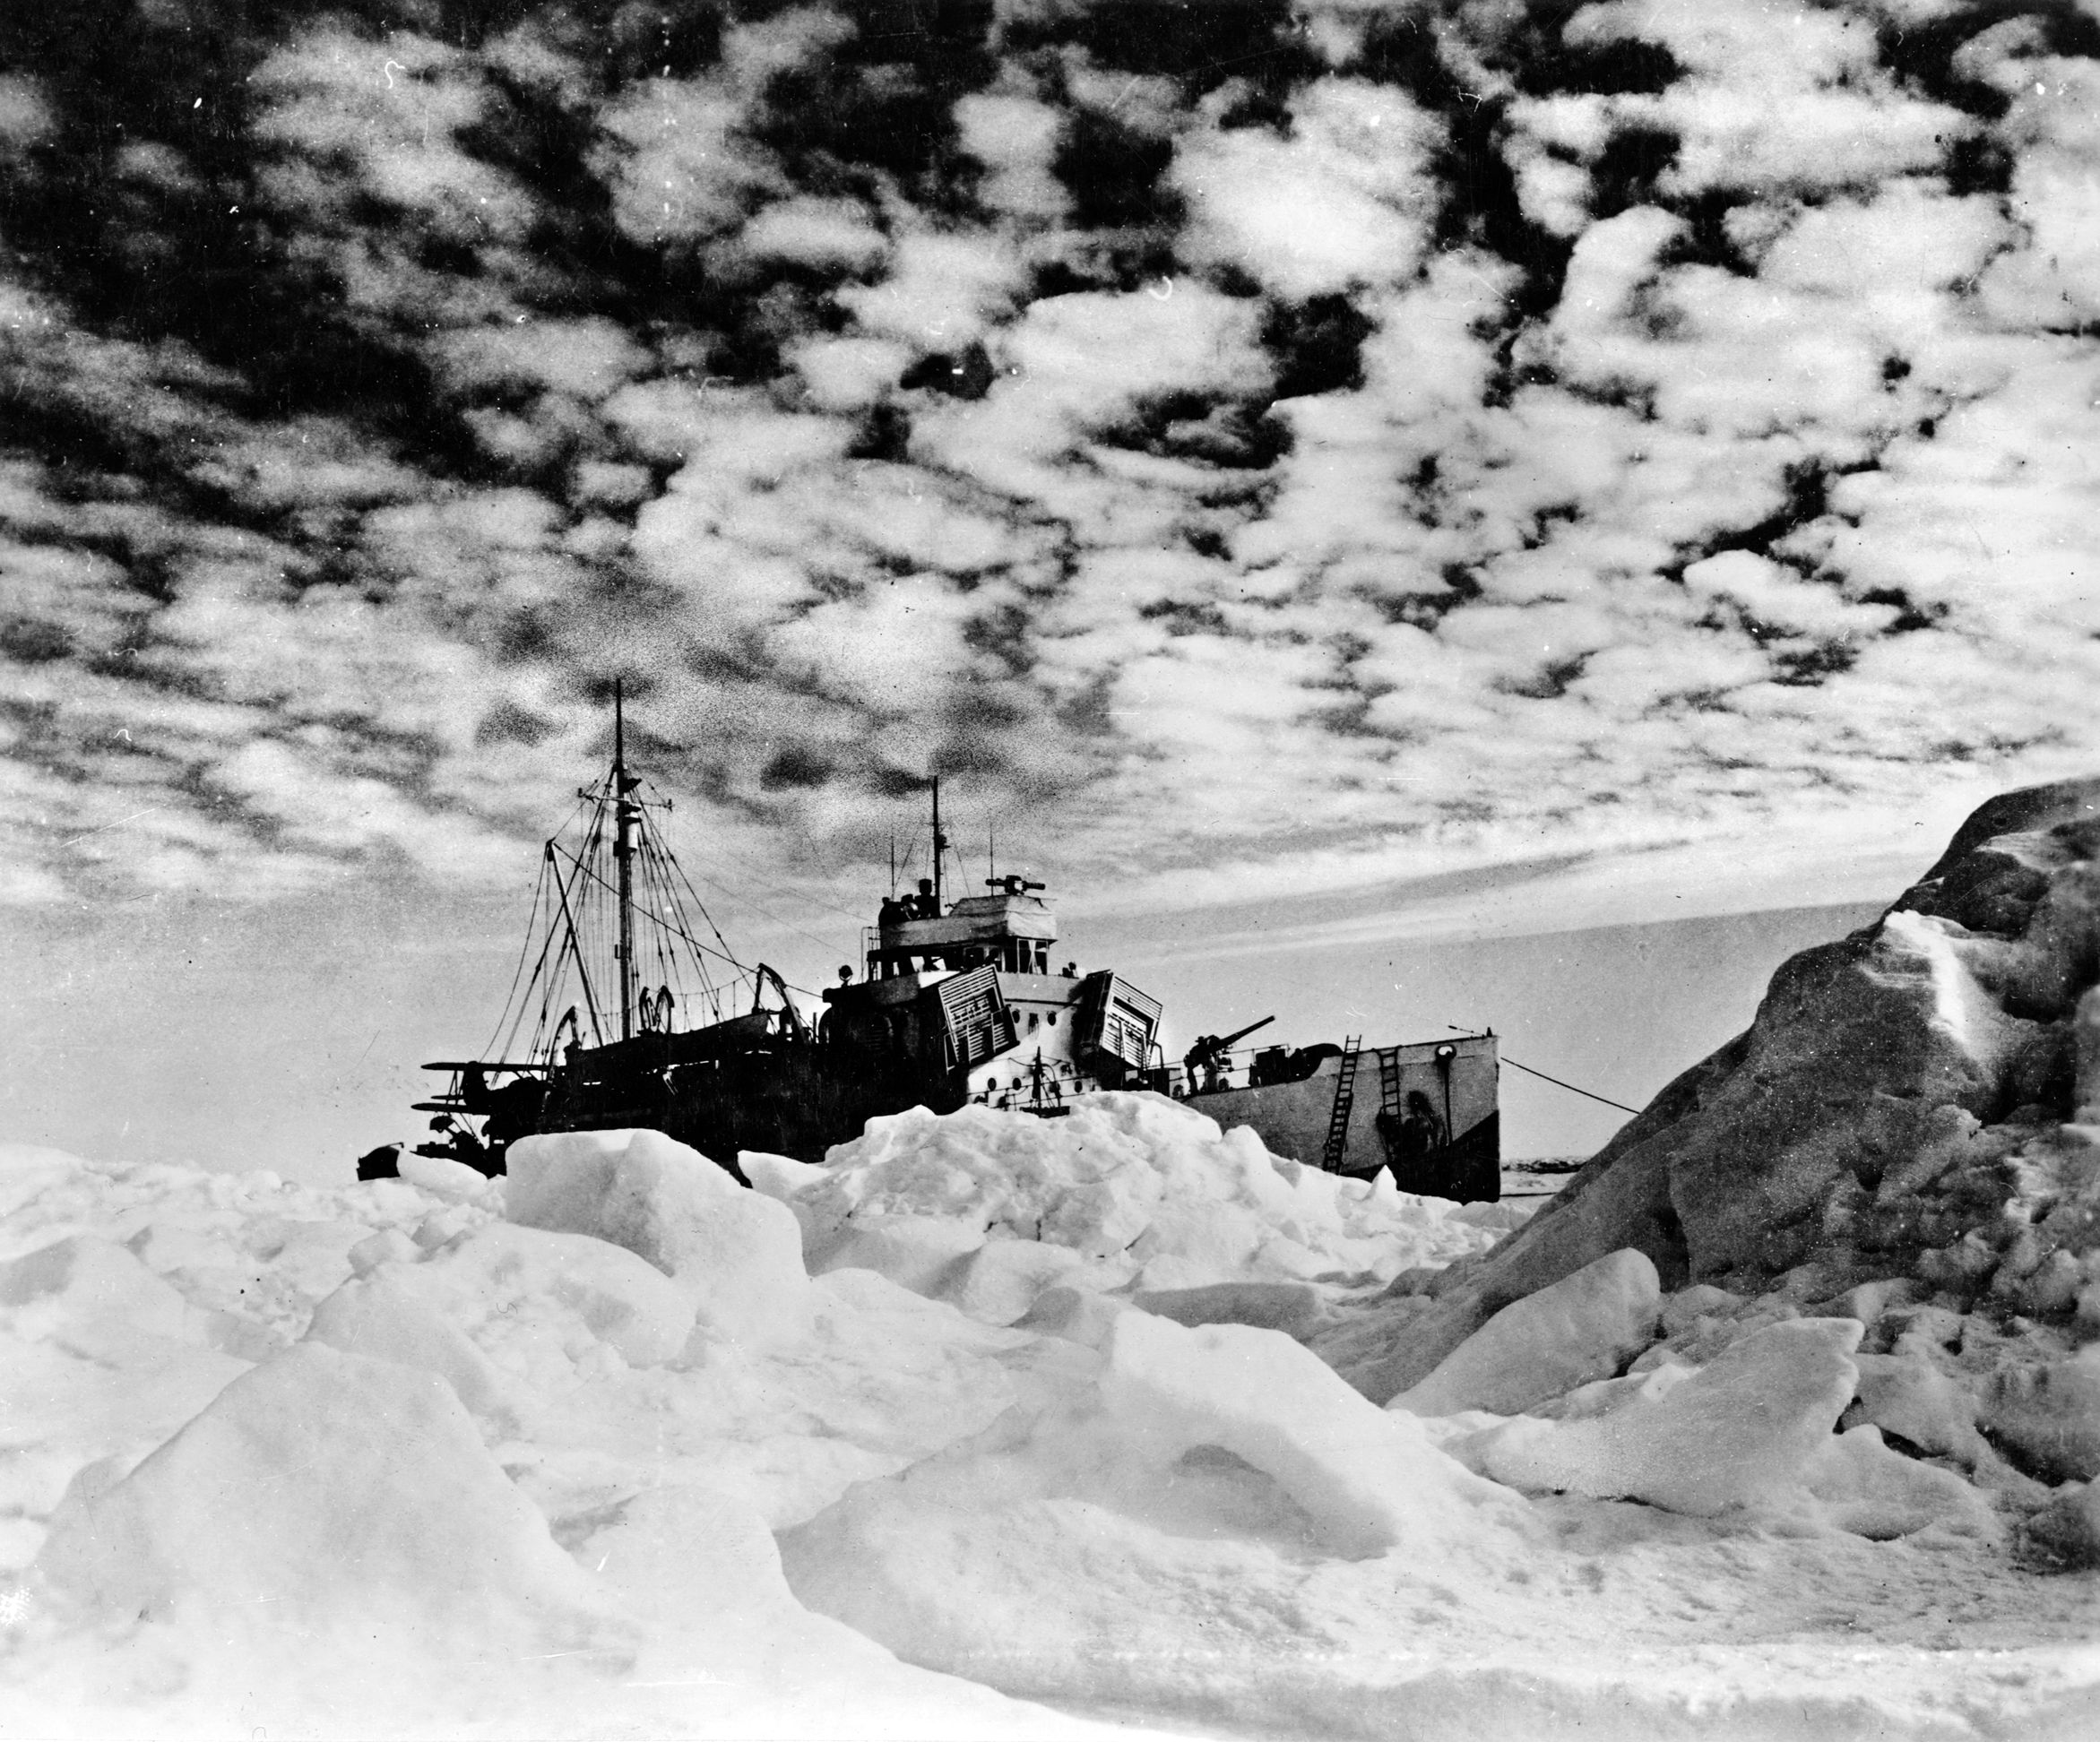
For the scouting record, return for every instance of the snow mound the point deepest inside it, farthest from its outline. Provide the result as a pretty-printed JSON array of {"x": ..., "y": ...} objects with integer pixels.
[
  {"x": 2049, "y": 1412},
  {"x": 1130, "y": 1433},
  {"x": 380, "y": 1317},
  {"x": 546, "y": 1300},
  {"x": 2065, "y": 1535},
  {"x": 1122, "y": 1497},
  {"x": 319, "y": 1490},
  {"x": 1074, "y": 1316},
  {"x": 443, "y": 1177},
  {"x": 736, "y": 1252},
  {"x": 1740, "y": 1431},
  {"x": 1368, "y": 1483},
  {"x": 1907, "y": 1394},
  {"x": 1148, "y": 1191},
  {"x": 923, "y": 1253},
  {"x": 29, "y": 1171},
  {"x": 1000, "y": 1282},
  {"x": 707, "y": 1569},
  {"x": 74, "y": 1286},
  {"x": 1295, "y": 1308},
  {"x": 776, "y": 1175},
  {"x": 1858, "y": 1484},
  {"x": 1584, "y": 1327},
  {"x": 329, "y": 1535}
]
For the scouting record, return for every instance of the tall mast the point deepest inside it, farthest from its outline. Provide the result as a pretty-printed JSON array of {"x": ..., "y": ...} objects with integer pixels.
[
  {"x": 624, "y": 811},
  {"x": 940, "y": 843}
]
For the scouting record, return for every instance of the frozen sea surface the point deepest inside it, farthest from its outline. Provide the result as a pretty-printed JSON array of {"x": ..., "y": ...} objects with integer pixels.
[{"x": 991, "y": 1428}]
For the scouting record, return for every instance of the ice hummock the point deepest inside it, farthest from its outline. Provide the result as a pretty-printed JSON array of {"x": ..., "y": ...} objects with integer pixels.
[
  {"x": 1147, "y": 1192},
  {"x": 1062, "y": 1420}
]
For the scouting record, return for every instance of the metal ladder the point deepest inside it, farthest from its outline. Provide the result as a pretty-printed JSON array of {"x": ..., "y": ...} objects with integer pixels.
[
  {"x": 1344, "y": 1104},
  {"x": 1389, "y": 1082}
]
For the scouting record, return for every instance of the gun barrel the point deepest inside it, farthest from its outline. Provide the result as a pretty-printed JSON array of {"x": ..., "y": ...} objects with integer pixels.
[{"x": 1238, "y": 1035}]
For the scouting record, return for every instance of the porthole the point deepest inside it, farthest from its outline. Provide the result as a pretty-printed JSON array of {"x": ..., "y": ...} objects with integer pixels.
[{"x": 1052, "y": 1019}]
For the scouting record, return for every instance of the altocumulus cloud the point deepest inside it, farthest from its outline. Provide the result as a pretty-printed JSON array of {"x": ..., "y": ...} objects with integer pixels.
[{"x": 1306, "y": 443}]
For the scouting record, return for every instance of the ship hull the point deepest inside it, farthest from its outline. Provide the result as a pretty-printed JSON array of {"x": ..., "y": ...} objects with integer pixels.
[
  {"x": 798, "y": 1099},
  {"x": 1295, "y": 1119},
  {"x": 795, "y": 1101}
]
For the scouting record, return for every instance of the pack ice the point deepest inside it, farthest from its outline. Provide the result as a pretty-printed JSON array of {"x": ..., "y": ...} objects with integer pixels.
[{"x": 1783, "y": 1421}]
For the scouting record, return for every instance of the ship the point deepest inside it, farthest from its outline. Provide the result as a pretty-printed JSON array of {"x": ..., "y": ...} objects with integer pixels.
[{"x": 630, "y": 1009}]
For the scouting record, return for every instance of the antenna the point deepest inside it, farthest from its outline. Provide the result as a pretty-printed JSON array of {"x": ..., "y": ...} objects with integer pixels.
[{"x": 991, "y": 854}]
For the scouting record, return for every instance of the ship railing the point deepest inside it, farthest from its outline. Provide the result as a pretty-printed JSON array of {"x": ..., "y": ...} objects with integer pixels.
[{"x": 1235, "y": 1071}]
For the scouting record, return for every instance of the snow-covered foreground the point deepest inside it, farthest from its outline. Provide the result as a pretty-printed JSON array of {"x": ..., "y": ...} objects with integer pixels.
[{"x": 1038, "y": 1412}]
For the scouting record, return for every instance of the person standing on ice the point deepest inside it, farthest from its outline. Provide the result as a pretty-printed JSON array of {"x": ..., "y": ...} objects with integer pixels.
[{"x": 1410, "y": 1139}]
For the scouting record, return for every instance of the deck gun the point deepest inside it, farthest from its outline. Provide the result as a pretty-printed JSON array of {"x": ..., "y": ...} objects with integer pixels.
[{"x": 1207, "y": 1056}]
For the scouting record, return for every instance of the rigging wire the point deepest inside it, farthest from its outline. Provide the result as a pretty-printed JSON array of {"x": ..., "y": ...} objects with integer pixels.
[
  {"x": 822, "y": 943},
  {"x": 672, "y": 926},
  {"x": 1608, "y": 1101},
  {"x": 517, "y": 973},
  {"x": 658, "y": 888},
  {"x": 601, "y": 884},
  {"x": 509, "y": 1038},
  {"x": 585, "y": 925},
  {"x": 548, "y": 984},
  {"x": 583, "y": 973},
  {"x": 668, "y": 867},
  {"x": 730, "y": 953},
  {"x": 854, "y": 914},
  {"x": 577, "y": 903},
  {"x": 1555, "y": 1081}
]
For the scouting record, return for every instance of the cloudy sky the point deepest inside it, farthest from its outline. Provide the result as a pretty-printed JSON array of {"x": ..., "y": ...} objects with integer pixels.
[{"x": 1636, "y": 451}]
